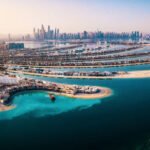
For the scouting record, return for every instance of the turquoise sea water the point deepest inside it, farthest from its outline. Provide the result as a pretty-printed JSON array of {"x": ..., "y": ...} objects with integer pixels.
[
  {"x": 38, "y": 103},
  {"x": 118, "y": 122}
]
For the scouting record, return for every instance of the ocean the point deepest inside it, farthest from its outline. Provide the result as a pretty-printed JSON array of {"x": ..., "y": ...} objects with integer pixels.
[{"x": 118, "y": 122}]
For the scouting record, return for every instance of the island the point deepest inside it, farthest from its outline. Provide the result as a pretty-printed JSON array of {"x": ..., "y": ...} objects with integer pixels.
[
  {"x": 85, "y": 75},
  {"x": 11, "y": 85}
]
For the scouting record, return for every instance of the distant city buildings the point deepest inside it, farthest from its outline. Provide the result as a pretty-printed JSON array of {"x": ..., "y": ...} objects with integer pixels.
[
  {"x": 43, "y": 34},
  {"x": 146, "y": 37},
  {"x": 3, "y": 46},
  {"x": 47, "y": 33},
  {"x": 3, "y": 52},
  {"x": 54, "y": 34}
]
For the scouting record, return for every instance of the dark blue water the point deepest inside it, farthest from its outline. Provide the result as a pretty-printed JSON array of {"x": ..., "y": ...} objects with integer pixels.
[{"x": 121, "y": 121}]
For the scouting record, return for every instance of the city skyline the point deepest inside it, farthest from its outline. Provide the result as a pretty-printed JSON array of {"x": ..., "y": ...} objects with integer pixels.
[
  {"x": 48, "y": 33},
  {"x": 19, "y": 17}
]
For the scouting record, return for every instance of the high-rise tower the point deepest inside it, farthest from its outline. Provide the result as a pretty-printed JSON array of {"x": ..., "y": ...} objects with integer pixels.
[
  {"x": 34, "y": 33},
  {"x": 49, "y": 33}
]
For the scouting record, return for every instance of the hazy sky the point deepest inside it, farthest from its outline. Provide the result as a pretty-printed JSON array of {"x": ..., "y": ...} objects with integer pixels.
[{"x": 20, "y": 16}]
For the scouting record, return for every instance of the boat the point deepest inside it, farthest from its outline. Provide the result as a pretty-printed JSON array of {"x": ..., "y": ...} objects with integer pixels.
[{"x": 52, "y": 97}]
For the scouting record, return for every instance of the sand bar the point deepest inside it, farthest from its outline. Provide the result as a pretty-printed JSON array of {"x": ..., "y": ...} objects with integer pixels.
[
  {"x": 73, "y": 91},
  {"x": 131, "y": 74},
  {"x": 104, "y": 92},
  {"x": 135, "y": 74},
  {"x": 6, "y": 108}
]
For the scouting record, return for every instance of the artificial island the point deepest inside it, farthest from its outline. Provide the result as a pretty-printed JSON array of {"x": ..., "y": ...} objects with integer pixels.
[
  {"x": 11, "y": 85},
  {"x": 61, "y": 55}
]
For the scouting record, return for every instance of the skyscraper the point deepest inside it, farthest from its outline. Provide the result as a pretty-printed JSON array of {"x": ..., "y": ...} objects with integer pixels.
[
  {"x": 49, "y": 32},
  {"x": 55, "y": 34},
  {"x": 34, "y": 33},
  {"x": 9, "y": 37},
  {"x": 43, "y": 33}
]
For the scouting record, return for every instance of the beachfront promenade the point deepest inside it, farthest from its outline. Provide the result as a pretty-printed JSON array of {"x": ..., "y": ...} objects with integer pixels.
[{"x": 8, "y": 89}]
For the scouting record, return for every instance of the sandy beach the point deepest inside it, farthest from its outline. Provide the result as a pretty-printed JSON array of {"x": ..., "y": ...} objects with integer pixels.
[
  {"x": 135, "y": 74},
  {"x": 104, "y": 92},
  {"x": 5, "y": 108},
  {"x": 131, "y": 74},
  {"x": 148, "y": 44},
  {"x": 100, "y": 92}
]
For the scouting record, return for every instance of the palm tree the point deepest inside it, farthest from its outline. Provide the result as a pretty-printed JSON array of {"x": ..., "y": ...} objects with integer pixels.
[{"x": 2, "y": 68}]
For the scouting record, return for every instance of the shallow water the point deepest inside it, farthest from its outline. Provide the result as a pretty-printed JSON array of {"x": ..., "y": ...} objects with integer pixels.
[{"x": 38, "y": 103}]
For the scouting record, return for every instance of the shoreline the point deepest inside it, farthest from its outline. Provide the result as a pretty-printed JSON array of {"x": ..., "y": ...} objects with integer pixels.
[
  {"x": 104, "y": 92},
  {"x": 4, "y": 108},
  {"x": 130, "y": 74}
]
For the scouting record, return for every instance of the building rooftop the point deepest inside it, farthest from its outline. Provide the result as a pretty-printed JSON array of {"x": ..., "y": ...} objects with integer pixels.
[{"x": 8, "y": 80}]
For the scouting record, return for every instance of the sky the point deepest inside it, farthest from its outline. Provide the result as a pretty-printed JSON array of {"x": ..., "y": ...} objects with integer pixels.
[{"x": 21, "y": 16}]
